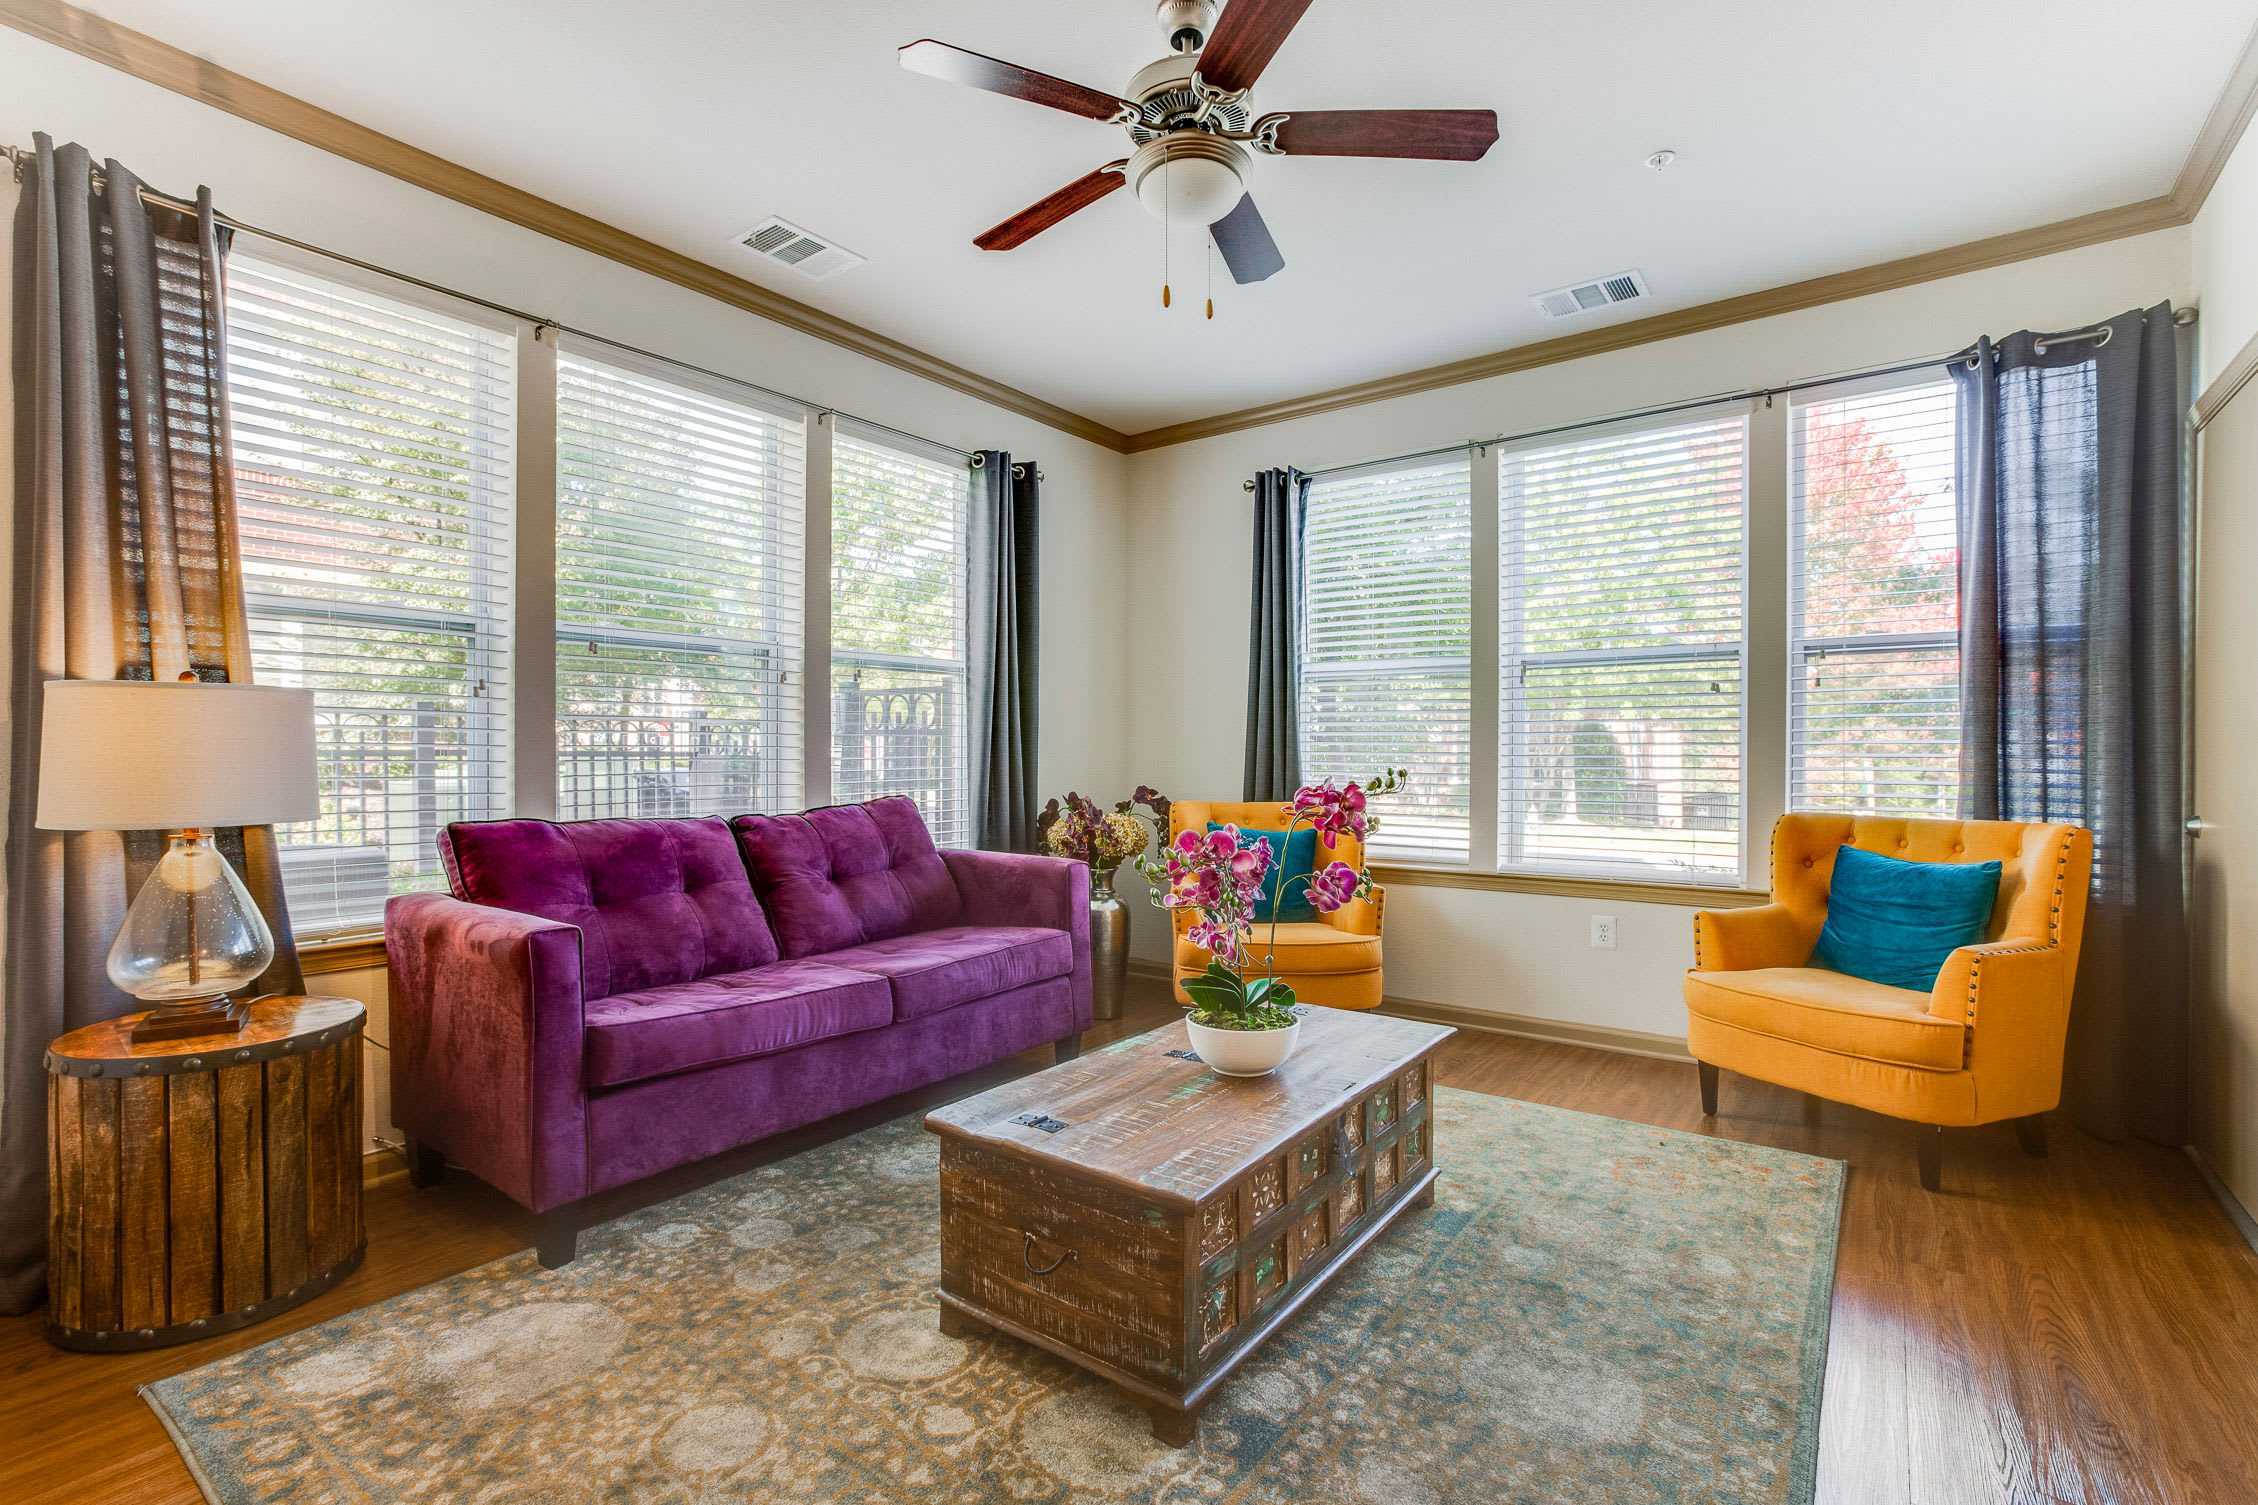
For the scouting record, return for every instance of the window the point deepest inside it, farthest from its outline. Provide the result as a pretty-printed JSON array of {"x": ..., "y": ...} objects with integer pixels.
[
  {"x": 899, "y": 704},
  {"x": 1619, "y": 690},
  {"x": 1387, "y": 602},
  {"x": 680, "y": 515},
  {"x": 1874, "y": 604},
  {"x": 374, "y": 491}
]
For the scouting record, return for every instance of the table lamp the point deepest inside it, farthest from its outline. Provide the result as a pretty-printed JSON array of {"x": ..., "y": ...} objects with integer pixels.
[{"x": 132, "y": 755}]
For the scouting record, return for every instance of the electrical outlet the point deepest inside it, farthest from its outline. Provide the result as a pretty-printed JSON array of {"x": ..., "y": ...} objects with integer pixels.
[{"x": 1603, "y": 932}]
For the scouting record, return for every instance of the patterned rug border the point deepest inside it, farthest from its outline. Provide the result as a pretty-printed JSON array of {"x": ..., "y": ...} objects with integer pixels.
[{"x": 1816, "y": 1335}]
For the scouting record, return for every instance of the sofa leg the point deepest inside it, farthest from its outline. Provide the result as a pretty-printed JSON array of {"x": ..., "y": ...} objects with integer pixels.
[
  {"x": 2030, "y": 1133},
  {"x": 426, "y": 1166},
  {"x": 1708, "y": 1088},
  {"x": 556, "y": 1237},
  {"x": 1928, "y": 1149},
  {"x": 1067, "y": 1049}
]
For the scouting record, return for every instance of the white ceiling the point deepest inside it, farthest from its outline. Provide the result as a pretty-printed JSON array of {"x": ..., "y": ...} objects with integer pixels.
[{"x": 1811, "y": 138}]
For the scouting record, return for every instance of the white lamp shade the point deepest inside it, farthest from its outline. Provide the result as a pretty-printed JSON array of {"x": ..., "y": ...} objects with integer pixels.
[{"x": 131, "y": 755}]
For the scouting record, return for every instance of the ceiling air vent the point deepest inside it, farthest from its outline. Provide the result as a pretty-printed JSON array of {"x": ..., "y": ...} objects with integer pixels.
[
  {"x": 1603, "y": 292},
  {"x": 809, "y": 255}
]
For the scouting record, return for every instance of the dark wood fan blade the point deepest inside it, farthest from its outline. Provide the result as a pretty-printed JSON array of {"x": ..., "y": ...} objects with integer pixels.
[
  {"x": 1036, "y": 218},
  {"x": 1245, "y": 39},
  {"x": 940, "y": 60},
  {"x": 1443, "y": 135},
  {"x": 1245, "y": 242}
]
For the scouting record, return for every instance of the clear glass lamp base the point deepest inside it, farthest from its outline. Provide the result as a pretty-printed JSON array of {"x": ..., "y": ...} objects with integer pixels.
[{"x": 192, "y": 936}]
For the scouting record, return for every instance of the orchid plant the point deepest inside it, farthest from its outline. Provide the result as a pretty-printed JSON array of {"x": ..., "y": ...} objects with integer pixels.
[{"x": 1218, "y": 876}]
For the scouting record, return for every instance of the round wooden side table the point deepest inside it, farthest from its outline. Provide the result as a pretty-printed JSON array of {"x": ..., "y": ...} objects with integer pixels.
[{"x": 196, "y": 1186}]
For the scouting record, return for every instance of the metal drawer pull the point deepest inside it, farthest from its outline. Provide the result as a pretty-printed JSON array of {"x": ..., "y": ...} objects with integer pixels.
[{"x": 1027, "y": 1256}]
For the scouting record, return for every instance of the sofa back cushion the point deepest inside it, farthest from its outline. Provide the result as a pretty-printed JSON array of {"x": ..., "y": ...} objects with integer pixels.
[
  {"x": 847, "y": 874},
  {"x": 657, "y": 901}
]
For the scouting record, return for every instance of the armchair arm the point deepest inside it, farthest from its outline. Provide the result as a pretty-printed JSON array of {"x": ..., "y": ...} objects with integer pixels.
[
  {"x": 486, "y": 1043},
  {"x": 2002, "y": 986},
  {"x": 2014, "y": 998},
  {"x": 1359, "y": 916},
  {"x": 1742, "y": 940},
  {"x": 1007, "y": 888}
]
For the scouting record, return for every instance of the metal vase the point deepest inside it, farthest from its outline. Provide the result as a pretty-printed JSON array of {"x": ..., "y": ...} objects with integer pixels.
[{"x": 1109, "y": 946}]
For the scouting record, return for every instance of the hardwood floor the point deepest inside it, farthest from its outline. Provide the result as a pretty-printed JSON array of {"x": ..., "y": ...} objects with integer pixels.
[{"x": 2080, "y": 1329}]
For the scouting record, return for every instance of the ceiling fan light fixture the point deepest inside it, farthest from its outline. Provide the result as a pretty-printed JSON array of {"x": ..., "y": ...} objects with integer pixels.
[{"x": 1189, "y": 177}]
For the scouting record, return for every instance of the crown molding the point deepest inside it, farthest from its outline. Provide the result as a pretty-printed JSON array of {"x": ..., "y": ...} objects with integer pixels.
[
  {"x": 155, "y": 62},
  {"x": 1974, "y": 256},
  {"x": 2222, "y": 131}
]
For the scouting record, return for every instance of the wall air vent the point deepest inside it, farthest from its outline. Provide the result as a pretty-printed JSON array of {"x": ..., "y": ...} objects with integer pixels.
[
  {"x": 1583, "y": 297},
  {"x": 810, "y": 255}
]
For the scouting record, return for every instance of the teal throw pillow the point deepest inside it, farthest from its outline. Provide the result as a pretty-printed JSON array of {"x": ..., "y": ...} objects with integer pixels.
[
  {"x": 1895, "y": 922},
  {"x": 1290, "y": 857}
]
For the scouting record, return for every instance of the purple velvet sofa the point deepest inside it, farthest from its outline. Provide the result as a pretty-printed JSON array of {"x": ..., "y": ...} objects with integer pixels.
[{"x": 603, "y": 1000}]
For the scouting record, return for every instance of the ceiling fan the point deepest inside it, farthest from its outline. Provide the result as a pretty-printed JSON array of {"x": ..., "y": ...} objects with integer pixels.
[{"x": 1195, "y": 131}]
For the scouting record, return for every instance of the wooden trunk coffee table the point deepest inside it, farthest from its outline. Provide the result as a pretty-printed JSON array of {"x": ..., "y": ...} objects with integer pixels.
[{"x": 1141, "y": 1216}]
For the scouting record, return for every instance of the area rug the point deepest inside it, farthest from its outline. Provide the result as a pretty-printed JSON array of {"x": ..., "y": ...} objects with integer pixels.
[{"x": 1592, "y": 1311}]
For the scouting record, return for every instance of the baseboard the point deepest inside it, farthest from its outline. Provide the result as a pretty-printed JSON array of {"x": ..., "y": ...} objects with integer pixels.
[
  {"x": 2243, "y": 1222},
  {"x": 380, "y": 1166},
  {"x": 1628, "y": 1042}
]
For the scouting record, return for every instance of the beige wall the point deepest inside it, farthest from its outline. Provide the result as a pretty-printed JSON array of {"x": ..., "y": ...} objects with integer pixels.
[
  {"x": 1507, "y": 953},
  {"x": 2225, "y": 1034}
]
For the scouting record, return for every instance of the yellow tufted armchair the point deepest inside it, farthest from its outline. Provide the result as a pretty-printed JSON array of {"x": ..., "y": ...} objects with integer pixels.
[
  {"x": 1334, "y": 959},
  {"x": 1984, "y": 1045}
]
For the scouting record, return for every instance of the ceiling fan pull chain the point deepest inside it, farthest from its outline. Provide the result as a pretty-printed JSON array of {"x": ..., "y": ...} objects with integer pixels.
[
  {"x": 1207, "y": 258},
  {"x": 1164, "y": 232}
]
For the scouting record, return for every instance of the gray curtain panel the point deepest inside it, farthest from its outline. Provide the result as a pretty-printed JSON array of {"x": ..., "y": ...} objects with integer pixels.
[
  {"x": 1273, "y": 764},
  {"x": 2071, "y": 650},
  {"x": 126, "y": 567},
  {"x": 1006, "y": 570}
]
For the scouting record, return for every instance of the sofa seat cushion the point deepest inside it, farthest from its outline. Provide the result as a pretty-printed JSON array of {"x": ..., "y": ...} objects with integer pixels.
[
  {"x": 1830, "y": 1011},
  {"x": 934, "y": 970},
  {"x": 1305, "y": 948},
  {"x": 728, "y": 1017}
]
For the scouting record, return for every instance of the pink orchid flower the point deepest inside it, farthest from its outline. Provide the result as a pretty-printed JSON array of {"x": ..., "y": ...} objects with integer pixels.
[{"x": 1332, "y": 887}]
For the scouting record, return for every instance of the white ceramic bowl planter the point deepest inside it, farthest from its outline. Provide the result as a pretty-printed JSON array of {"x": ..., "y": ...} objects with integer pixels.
[{"x": 1243, "y": 1052}]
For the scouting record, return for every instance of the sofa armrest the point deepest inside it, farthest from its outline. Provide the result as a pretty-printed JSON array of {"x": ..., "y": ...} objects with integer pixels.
[
  {"x": 486, "y": 1043},
  {"x": 1742, "y": 940},
  {"x": 1009, "y": 888}
]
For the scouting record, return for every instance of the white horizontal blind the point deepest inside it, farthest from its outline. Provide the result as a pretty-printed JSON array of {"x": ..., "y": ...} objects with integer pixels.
[
  {"x": 373, "y": 485},
  {"x": 899, "y": 707},
  {"x": 1621, "y": 580},
  {"x": 1387, "y": 618},
  {"x": 1874, "y": 601},
  {"x": 680, "y": 540}
]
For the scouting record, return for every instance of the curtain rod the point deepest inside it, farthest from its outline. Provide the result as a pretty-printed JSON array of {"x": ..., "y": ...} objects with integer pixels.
[
  {"x": 2182, "y": 317},
  {"x": 17, "y": 156}
]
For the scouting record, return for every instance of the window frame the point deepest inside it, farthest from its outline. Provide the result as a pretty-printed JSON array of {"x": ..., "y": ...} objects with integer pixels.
[
  {"x": 957, "y": 775},
  {"x": 781, "y": 783},
  {"x": 524, "y": 767},
  {"x": 1508, "y": 788},
  {"x": 1349, "y": 671},
  {"x": 1798, "y": 646},
  {"x": 489, "y": 719}
]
